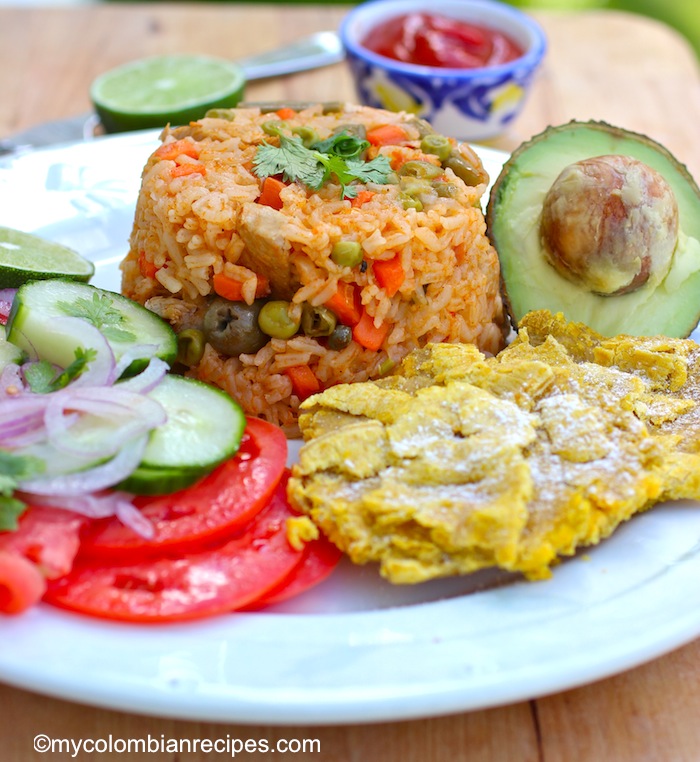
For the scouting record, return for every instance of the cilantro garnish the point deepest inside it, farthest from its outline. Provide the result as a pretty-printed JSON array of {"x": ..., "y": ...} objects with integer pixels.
[
  {"x": 43, "y": 378},
  {"x": 100, "y": 312},
  {"x": 344, "y": 144},
  {"x": 14, "y": 468},
  {"x": 314, "y": 168}
]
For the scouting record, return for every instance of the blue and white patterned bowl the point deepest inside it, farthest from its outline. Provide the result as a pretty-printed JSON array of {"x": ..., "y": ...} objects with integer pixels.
[{"x": 470, "y": 104}]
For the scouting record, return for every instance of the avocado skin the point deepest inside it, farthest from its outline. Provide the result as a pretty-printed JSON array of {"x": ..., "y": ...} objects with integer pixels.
[{"x": 673, "y": 313}]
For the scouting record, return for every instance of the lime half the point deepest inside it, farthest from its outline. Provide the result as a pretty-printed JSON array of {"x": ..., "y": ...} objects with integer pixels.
[
  {"x": 153, "y": 92},
  {"x": 25, "y": 257}
]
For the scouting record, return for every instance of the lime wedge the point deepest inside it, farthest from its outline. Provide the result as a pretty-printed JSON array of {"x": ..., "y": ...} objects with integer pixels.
[
  {"x": 25, "y": 257},
  {"x": 153, "y": 92}
]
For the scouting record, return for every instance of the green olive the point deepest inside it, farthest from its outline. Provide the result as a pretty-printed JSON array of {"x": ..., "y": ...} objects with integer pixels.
[
  {"x": 424, "y": 127},
  {"x": 437, "y": 145},
  {"x": 279, "y": 319},
  {"x": 266, "y": 107},
  {"x": 190, "y": 346},
  {"x": 232, "y": 327},
  {"x": 408, "y": 202},
  {"x": 274, "y": 127},
  {"x": 317, "y": 321},
  {"x": 415, "y": 187},
  {"x": 308, "y": 135},
  {"x": 340, "y": 338},
  {"x": 347, "y": 253},
  {"x": 445, "y": 190},
  {"x": 221, "y": 113},
  {"x": 463, "y": 169},
  {"x": 423, "y": 170},
  {"x": 386, "y": 366}
]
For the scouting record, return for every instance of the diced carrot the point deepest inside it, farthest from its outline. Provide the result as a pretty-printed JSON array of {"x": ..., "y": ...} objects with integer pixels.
[
  {"x": 178, "y": 148},
  {"x": 362, "y": 198},
  {"x": 190, "y": 168},
  {"x": 367, "y": 334},
  {"x": 304, "y": 381},
  {"x": 345, "y": 303},
  {"x": 389, "y": 274},
  {"x": 387, "y": 135},
  {"x": 286, "y": 113},
  {"x": 146, "y": 267},
  {"x": 270, "y": 193},
  {"x": 232, "y": 289}
]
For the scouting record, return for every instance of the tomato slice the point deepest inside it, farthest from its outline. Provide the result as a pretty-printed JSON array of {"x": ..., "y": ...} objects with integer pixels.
[
  {"x": 209, "y": 511},
  {"x": 21, "y": 583},
  {"x": 48, "y": 537},
  {"x": 320, "y": 559},
  {"x": 176, "y": 588}
]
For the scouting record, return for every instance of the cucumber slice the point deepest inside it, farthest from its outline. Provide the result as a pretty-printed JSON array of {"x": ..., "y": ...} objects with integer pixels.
[
  {"x": 9, "y": 353},
  {"x": 123, "y": 322},
  {"x": 204, "y": 428},
  {"x": 160, "y": 481}
]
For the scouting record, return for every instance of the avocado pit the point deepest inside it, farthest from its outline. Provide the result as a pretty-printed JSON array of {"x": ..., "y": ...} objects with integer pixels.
[{"x": 610, "y": 224}]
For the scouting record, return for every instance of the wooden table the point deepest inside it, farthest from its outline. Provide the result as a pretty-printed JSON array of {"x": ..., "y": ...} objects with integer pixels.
[{"x": 619, "y": 68}]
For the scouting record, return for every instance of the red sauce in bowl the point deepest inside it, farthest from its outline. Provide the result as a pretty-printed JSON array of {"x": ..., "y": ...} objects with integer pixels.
[{"x": 433, "y": 40}]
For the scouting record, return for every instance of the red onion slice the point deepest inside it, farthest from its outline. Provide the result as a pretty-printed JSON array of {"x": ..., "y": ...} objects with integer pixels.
[
  {"x": 11, "y": 381},
  {"x": 7, "y": 296},
  {"x": 98, "y": 506},
  {"x": 111, "y": 418},
  {"x": 93, "y": 479},
  {"x": 147, "y": 380}
]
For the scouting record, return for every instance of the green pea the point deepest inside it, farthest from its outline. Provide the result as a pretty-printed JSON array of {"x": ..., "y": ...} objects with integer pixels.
[
  {"x": 437, "y": 145},
  {"x": 463, "y": 169},
  {"x": 274, "y": 127},
  {"x": 423, "y": 170},
  {"x": 317, "y": 321},
  {"x": 340, "y": 338},
  {"x": 190, "y": 346},
  {"x": 347, "y": 253},
  {"x": 278, "y": 320},
  {"x": 308, "y": 135}
]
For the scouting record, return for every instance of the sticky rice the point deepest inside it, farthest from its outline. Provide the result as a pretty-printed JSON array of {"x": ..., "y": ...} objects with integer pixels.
[{"x": 200, "y": 222}]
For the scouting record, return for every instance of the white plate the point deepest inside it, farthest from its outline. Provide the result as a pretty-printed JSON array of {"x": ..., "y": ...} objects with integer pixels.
[{"x": 355, "y": 648}]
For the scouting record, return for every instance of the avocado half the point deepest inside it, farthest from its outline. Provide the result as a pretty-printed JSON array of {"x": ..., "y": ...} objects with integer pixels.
[{"x": 669, "y": 306}]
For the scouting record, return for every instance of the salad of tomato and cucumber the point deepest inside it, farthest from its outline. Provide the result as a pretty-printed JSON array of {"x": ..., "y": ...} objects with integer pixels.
[{"x": 127, "y": 491}]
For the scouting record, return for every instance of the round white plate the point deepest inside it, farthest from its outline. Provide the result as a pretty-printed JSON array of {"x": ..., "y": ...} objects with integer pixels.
[{"x": 354, "y": 649}]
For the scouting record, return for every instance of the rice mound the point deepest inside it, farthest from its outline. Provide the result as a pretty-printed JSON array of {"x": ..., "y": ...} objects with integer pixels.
[{"x": 198, "y": 215}]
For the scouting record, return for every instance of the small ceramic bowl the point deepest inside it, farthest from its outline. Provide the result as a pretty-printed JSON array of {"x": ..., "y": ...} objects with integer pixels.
[{"x": 470, "y": 104}]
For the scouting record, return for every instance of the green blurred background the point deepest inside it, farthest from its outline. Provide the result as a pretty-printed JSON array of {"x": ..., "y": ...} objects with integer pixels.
[{"x": 683, "y": 15}]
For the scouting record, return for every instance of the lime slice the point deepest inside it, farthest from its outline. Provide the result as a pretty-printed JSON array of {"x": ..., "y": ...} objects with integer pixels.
[
  {"x": 25, "y": 257},
  {"x": 156, "y": 91}
]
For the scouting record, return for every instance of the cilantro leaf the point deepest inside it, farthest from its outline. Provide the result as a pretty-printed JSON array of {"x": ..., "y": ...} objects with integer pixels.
[
  {"x": 314, "y": 168},
  {"x": 344, "y": 144},
  {"x": 40, "y": 376},
  {"x": 14, "y": 468},
  {"x": 100, "y": 312},
  {"x": 43, "y": 378},
  {"x": 292, "y": 160},
  {"x": 10, "y": 510}
]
